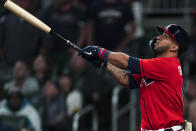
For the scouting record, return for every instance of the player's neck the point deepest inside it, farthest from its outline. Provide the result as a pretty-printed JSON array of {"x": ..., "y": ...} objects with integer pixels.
[{"x": 168, "y": 54}]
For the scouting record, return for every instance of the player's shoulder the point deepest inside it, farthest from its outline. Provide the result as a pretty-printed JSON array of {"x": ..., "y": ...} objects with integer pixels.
[
  {"x": 166, "y": 59},
  {"x": 163, "y": 61},
  {"x": 169, "y": 62}
]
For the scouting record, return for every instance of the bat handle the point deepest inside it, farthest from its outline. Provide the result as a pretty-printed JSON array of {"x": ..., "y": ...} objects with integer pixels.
[{"x": 69, "y": 43}]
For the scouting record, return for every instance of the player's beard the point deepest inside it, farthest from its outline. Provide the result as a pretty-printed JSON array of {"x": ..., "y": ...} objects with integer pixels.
[{"x": 161, "y": 50}]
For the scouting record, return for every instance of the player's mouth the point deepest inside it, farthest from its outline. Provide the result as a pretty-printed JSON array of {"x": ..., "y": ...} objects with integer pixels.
[{"x": 157, "y": 42}]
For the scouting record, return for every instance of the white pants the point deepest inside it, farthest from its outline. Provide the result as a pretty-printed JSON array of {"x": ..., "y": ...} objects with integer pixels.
[{"x": 174, "y": 128}]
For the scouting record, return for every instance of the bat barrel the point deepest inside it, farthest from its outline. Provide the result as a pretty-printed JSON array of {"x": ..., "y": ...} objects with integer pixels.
[{"x": 14, "y": 8}]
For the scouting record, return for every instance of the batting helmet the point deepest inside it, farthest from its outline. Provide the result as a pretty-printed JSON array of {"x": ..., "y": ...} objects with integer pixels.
[{"x": 178, "y": 34}]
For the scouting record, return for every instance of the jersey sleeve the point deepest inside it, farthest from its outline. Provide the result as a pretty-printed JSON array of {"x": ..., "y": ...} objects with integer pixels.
[
  {"x": 134, "y": 65},
  {"x": 155, "y": 69},
  {"x": 134, "y": 81}
]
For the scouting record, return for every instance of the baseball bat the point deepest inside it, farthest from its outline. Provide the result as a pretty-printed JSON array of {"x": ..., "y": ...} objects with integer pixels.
[{"x": 14, "y": 8}]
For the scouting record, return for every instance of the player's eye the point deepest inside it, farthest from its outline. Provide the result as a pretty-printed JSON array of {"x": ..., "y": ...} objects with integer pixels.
[{"x": 166, "y": 36}]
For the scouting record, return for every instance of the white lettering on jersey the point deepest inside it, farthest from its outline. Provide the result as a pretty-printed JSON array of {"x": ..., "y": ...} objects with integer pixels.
[
  {"x": 146, "y": 82},
  {"x": 180, "y": 70}
]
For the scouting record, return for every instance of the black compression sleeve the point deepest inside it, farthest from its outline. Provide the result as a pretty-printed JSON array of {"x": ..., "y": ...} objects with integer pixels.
[{"x": 134, "y": 65}]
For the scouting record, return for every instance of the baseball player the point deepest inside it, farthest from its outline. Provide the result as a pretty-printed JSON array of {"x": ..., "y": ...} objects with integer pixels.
[{"x": 159, "y": 79}]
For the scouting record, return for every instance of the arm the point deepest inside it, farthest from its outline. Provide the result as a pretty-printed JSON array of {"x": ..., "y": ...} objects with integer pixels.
[
  {"x": 118, "y": 59},
  {"x": 119, "y": 75}
]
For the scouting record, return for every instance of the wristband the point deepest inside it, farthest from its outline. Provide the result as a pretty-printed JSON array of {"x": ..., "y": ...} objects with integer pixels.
[{"x": 103, "y": 54}]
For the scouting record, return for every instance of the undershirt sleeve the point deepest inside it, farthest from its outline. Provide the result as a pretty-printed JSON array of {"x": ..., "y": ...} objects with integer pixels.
[
  {"x": 134, "y": 65},
  {"x": 134, "y": 81}
]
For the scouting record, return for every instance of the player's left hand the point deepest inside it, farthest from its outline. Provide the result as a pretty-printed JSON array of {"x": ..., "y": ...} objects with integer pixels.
[{"x": 90, "y": 53}]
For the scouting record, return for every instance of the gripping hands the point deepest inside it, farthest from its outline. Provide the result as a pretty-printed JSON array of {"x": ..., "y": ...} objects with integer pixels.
[{"x": 95, "y": 54}]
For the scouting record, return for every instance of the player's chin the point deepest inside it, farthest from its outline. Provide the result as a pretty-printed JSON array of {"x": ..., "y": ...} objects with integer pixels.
[
  {"x": 156, "y": 48},
  {"x": 160, "y": 50}
]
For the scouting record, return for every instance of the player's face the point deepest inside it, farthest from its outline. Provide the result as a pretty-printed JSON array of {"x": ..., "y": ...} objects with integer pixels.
[{"x": 163, "y": 44}]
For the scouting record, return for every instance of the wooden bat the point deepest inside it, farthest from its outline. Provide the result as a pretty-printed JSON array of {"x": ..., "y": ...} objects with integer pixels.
[{"x": 14, "y": 8}]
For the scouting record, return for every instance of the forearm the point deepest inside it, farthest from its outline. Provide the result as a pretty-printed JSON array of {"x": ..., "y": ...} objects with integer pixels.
[
  {"x": 119, "y": 75},
  {"x": 118, "y": 59}
]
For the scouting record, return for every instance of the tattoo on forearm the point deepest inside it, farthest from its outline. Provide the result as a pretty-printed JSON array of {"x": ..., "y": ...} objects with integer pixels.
[{"x": 118, "y": 74}]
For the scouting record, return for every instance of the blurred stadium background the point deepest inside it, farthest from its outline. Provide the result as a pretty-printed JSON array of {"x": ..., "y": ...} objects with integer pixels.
[{"x": 47, "y": 86}]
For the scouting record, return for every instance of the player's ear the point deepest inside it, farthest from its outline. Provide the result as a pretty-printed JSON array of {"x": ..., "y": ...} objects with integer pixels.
[{"x": 174, "y": 47}]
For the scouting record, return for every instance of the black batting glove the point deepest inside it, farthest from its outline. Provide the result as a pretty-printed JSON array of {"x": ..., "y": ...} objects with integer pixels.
[
  {"x": 94, "y": 52},
  {"x": 90, "y": 53}
]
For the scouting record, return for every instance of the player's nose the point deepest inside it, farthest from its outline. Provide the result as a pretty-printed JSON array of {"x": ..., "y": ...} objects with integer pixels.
[{"x": 159, "y": 37}]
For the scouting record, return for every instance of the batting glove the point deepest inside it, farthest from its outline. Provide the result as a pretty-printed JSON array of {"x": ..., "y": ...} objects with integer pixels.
[
  {"x": 94, "y": 52},
  {"x": 89, "y": 54}
]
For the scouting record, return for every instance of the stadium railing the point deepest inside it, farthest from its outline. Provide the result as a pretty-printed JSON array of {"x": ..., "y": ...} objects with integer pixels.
[
  {"x": 131, "y": 107},
  {"x": 84, "y": 111}
]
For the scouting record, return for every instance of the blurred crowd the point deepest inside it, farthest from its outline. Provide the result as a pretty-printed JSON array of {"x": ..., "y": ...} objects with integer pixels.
[{"x": 43, "y": 83}]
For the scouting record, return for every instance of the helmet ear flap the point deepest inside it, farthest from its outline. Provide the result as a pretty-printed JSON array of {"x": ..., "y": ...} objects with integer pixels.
[{"x": 152, "y": 42}]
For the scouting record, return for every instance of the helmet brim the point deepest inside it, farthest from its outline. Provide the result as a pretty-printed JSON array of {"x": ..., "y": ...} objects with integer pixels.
[{"x": 160, "y": 29}]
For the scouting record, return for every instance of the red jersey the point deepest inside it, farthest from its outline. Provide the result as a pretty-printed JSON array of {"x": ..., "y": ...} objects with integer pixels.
[{"x": 160, "y": 90}]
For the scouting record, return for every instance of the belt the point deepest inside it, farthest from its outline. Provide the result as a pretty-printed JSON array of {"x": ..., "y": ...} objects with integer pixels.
[{"x": 173, "y": 128}]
